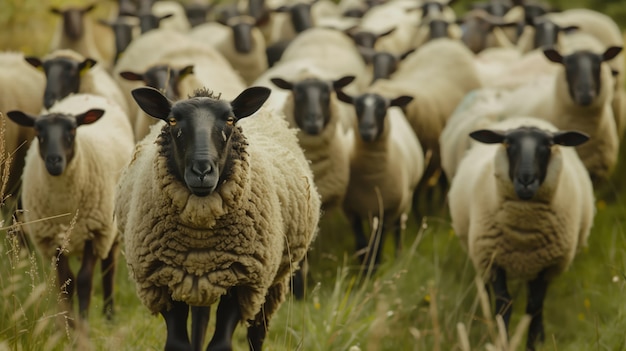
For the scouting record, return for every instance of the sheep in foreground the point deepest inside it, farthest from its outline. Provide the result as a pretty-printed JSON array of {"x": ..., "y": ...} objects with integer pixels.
[
  {"x": 22, "y": 87},
  {"x": 522, "y": 204},
  {"x": 386, "y": 165},
  {"x": 71, "y": 172},
  {"x": 68, "y": 72},
  {"x": 224, "y": 212}
]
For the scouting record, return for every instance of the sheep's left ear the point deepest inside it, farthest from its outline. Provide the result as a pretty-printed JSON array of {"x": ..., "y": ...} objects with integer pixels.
[
  {"x": 570, "y": 138},
  {"x": 401, "y": 101},
  {"x": 89, "y": 117},
  {"x": 184, "y": 72},
  {"x": 152, "y": 102},
  {"x": 21, "y": 118},
  {"x": 553, "y": 55},
  {"x": 611, "y": 52},
  {"x": 86, "y": 65},
  {"x": 488, "y": 136},
  {"x": 249, "y": 101},
  {"x": 342, "y": 82}
]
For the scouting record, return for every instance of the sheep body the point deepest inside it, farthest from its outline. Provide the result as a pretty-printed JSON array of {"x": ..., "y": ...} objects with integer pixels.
[
  {"x": 273, "y": 208},
  {"x": 87, "y": 184},
  {"x": 522, "y": 237},
  {"x": 22, "y": 88}
]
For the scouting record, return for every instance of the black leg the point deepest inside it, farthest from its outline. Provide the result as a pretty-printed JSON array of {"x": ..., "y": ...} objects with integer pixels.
[
  {"x": 501, "y": 293},
  {"x": 359, "y": 236},
  {"x": 228, "y": 315},
  {"x": 537, "y": 289},
  {"x": 108, "y": 267},
  {"x": 176, "y": 323},
  {"x": 298, "y": 282},
  {"x": 84, "y": 280},
  {"x": 199, "y": 322},
  {"x": 256, "y": 335}
]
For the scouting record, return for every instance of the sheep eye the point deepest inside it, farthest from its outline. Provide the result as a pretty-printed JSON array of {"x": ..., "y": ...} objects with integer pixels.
[
  {"x": 230, "y": 120},
  {"x": 172, "y": 121}
]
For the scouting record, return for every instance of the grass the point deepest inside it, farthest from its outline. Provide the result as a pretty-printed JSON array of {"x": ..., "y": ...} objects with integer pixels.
[{"x": 426, "y": 299}]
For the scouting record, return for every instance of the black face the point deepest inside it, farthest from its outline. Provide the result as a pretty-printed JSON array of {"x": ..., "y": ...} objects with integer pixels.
[
  {"x": 582, "y": 70},
  {"x": 475, "y": 31},
  {"x": 364, "y": 38},
  {"x": 532, "y": 11},
  {"x": 371, "y": 110},
  {"x": 63, "y": 76},
  {"x": 312, "y": 105},
  {"x": 546, "y": 33},
  {"x": 73, "y": 23},
  {"x": 196, "y": 13},
  {"x": 200, "y": 130},
  {"x": 56, "y": 133},
  {"x": 123, "y": 36},
  {"x": 242, "y": 35},
  {"x": 162, "y": 77},
  {"x": 148, "y": 22},
  {"x": 384, "y": 64},
  {"x": 438, "y": 29},
  {"x": 301, "y": 17},
  {"x": 256, "y": 8},
  {"x": 498, "y": 8},
  {"x": 432, "y": 9}
]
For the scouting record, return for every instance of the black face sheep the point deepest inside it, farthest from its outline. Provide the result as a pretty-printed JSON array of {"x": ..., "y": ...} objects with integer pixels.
[
  {"x": 522, "y": 204},
  {"x": 209, "y": 214},
  {"x": 386, "y": 165},
  {"x": 71, "y": 170}
]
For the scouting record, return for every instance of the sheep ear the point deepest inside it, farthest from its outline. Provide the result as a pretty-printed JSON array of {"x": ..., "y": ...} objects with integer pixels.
[
  {"x": 401, "y": 101},
  {"x": 384, "y": 34},
  {"x": 342, "y": 82},
  {"x": 570, "y": 29},
  {"x": 250, "y": 101},
  {"x": 152, "y": 102},
  {"x": 89, "y": 8},
  {"x": 553, "y": 55},
  {"x": 56, "y": 11},
  {"x": 184, "y": 72},
  {"x": 128, "y": 75},
  {"x": 488, "y": 136},
  {"x": 281, "y": 83},
  {"x": 35, "y": 62},
  {"x": 614, "y": 72},
  {"x": 86, "y": 65},
  {"x": 611, "y": 52},
  {"x": 165, "y": 16},
  {"x": 344, "y": 97},
  {"x": 407, "y": 53},
  {"x": 89, "y": 117},
  {"x": 21, "y": 118},
  {"x": 570, "y": 138}
]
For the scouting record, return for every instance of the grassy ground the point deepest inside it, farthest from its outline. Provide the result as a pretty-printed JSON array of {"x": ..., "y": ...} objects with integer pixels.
[{"x": 419, "y": 301}]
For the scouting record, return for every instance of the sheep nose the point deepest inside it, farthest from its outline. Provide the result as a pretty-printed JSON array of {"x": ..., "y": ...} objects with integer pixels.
[
  {"x": 53, "y": 159},
  {"x": 527, "y": 179},
  {"x": 202, "y": 168}
]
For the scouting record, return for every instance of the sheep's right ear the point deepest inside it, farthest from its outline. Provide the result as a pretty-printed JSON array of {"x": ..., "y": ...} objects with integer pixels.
[
  {"x": 401, "y": 101},
  {"x": 570, "y": 29},
  {"x": 152, "y": 102},
  {"x": 89, "y": 117},
  {"x": 342, "y": 82},
  {"x": 34, "y": 61},
  {"x": 128, "y": 75},
  {"x": 250, "y": 101},
  {"x": 344, "y": 97},
  {"x": 611, "y": 52},
  {"x": 21, "y": 118},
  {"x": 56, "y": 11},
  {"x": 553, "y": 55},
  {"x": 570, "y": 138},
  {"x": 386, "y": 33},
  {"x": 488, "y": 136},
  {"x": 281, "y": 83}
]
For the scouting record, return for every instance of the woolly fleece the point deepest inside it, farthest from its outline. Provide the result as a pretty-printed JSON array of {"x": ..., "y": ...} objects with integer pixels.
[
  {"x": 522, "y": 237},
  {"x": 249, "y": 234},
  {"x": 87, "y": 185}
]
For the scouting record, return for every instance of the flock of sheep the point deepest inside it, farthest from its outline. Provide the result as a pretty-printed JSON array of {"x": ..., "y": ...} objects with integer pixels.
[{"x": 207, "y": 142}]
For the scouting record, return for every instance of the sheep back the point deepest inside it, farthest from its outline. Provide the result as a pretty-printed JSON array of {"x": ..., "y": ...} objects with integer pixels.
[
  {"x": 249, "y": 234},
  {"x": 85, "y": 189}
]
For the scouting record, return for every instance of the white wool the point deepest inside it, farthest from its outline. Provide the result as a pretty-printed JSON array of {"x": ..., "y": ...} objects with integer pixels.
[
  {"x": 522, "y": 237},
  {"x": 86, "y": 187}
]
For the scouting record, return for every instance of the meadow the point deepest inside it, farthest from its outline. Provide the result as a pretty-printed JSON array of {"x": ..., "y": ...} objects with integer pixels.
[{"x": 428, "y": 298}]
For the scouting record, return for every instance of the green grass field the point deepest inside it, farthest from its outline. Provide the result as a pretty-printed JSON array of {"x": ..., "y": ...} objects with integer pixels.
[{"x": 426, "y": 299}]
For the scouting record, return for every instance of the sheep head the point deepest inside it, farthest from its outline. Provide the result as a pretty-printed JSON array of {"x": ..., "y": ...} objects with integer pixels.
[
  {"x": 528, "y": 150},
  {"x": 73, "y": 26},
  {"x": 582, "y": 71},
  {"x": 200, "y": 130},
  {"x": 312, "y": 101},
  {"x": 371, "y": 110},
  {"x": 162, "y": 77},
  {"x": 547, "y": 32},
  {"x": 63, "y": 76},
  {"x": 56, "y": 133}
]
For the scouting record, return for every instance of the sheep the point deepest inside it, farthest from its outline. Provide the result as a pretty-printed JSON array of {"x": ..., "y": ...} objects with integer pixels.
[
  {"x": 124, "y": 29},
  {"x": 179, "y": 73},
  {"x": 386, "y": 165},
  {"x": 577, "y": 97},
  {"x": 477, "y": 30},
  {"x": 21, "y": 86},
  {"x": 522, "y": 204},
  {"x": 68, "y": 72},
  {"x": 240, "y": 41},
  {"x": 393, "y": 14},
  {"x": 79, "y": 32},
  {"x": 382, "y": 63},
  {"x": 71, "y": 170},
  {"x": 189, "y": 196}
]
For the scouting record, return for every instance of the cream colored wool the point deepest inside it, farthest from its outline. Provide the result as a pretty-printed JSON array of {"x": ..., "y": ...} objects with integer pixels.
[
  {"x": 385, "y": 171},
  {"x": 250, "y": 65},
  {"x": 85, "y": 189},
  {"x": 327, "y": 152},
  {"x": 178, "y": 22},
  {"x": 549, "y": 98},
  {"x": 95, "y": 81},
  {"x": 249, "y": 234},
  {"x": 522, "y": 237},
  {"x": 22, "y": 89}
]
